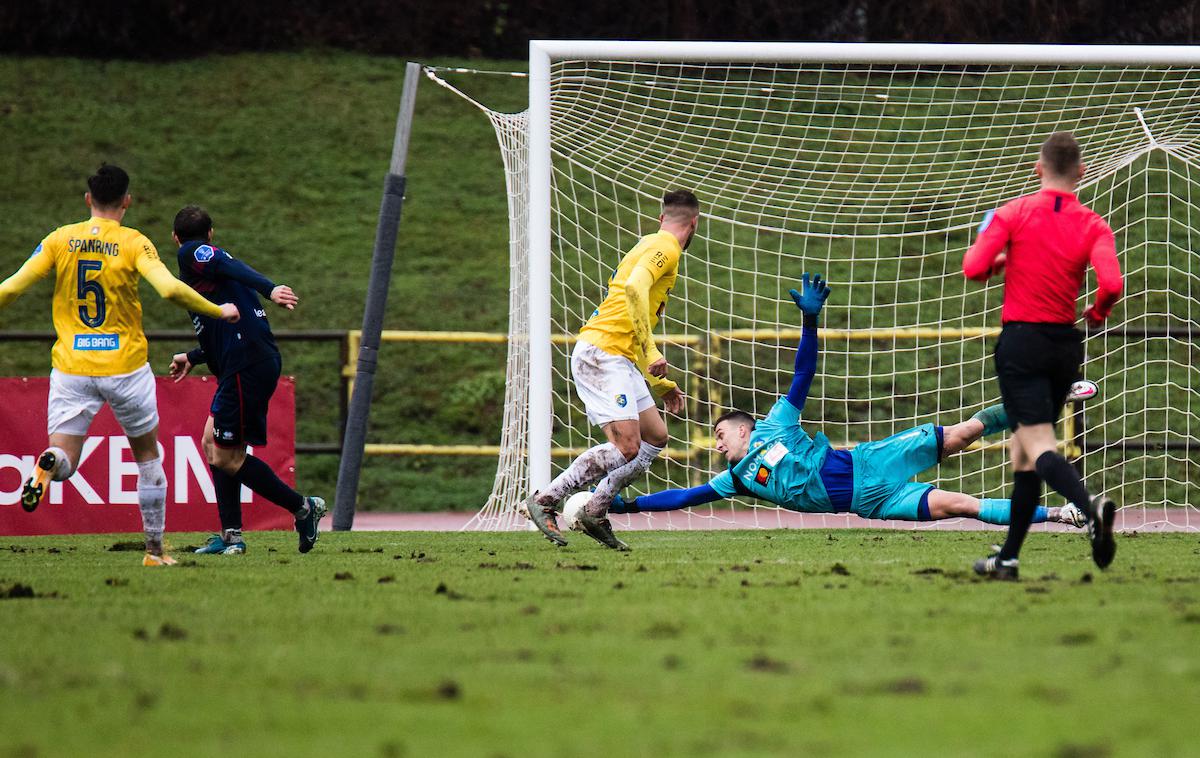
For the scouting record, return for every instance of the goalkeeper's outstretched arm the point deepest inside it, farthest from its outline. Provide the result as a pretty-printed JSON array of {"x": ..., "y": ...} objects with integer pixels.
[
  {"x": 667, "y": 500},
  {"x": 809, "y": 300}
]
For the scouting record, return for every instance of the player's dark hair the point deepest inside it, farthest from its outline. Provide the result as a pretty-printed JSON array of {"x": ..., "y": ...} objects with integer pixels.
[
  {"x": 1061, "y": 155},
  {"x": 192, "y": 223},
  {"x": 108, "y": 186},
  {"x": 681, "y": 204},
  {"x": 736, "y": 416}
]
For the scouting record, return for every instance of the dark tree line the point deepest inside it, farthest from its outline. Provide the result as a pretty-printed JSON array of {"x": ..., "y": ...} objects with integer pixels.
[{"x": 158, "y": 29}]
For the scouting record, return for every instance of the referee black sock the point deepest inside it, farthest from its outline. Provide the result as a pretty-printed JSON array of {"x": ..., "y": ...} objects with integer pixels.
[
  {"x": 1063, "y": 479},
  {"x": 1027, "y": 490},
  {"x": 259, "y": 477},
  {"x": 229, "y": 499}
]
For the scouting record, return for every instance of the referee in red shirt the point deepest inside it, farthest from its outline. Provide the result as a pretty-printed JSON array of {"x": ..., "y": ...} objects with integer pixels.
[{"x": 1045, "y": 241}]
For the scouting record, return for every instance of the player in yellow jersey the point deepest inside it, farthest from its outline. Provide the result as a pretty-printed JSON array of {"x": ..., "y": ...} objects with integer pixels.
[
  {"x": 618, "y": 370},
  {"x": 100, "y": 356}
]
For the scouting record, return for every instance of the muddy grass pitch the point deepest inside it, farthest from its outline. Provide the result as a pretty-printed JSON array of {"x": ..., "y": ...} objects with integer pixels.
[{"x": 787, "y": 642}]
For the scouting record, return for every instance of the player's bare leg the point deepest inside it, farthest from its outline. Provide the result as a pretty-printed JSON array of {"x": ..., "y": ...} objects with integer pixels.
[
  {"x": 944, "y": 504},
  {"x": 152, "y": 496},
  {"x": 56, "y": 463}
]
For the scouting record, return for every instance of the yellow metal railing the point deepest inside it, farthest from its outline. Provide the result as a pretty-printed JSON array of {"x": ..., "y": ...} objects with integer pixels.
[{"x": 709, "y": 349}]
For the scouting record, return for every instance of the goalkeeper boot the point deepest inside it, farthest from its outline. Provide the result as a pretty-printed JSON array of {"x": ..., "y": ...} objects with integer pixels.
[
  {"x": 307, "y": 522},
  {"x": 1069, "y": 514},
  {"x": 993, "y": 567},
  {"x": 545, "y": 518},
  {"x": 1083, "y": 390},
  {"x": 600, "y": 529},
  {"x": 1100, "y": 530},
  {"x": 35, "y": 487}
]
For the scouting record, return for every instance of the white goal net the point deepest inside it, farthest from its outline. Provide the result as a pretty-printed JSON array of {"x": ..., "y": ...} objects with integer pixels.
[{"x": 876, "y": 175}]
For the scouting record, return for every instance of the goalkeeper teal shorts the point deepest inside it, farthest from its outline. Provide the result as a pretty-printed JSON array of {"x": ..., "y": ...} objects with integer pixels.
[{"x": 883, "y": 472}]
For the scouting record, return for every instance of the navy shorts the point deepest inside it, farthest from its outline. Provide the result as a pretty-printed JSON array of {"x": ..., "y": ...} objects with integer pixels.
[{"x": 239, "y": 408}]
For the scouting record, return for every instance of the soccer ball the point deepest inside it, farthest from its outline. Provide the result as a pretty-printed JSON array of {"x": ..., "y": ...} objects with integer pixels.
[{"x": 574, "y": 507}]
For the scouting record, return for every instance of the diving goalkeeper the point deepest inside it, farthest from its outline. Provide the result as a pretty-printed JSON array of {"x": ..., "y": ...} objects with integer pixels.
[{"x": 774, "y": 459}]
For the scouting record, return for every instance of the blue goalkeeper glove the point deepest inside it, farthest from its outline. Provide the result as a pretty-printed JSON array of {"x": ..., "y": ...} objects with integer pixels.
[
  {"x": 621, "y": 505},
  {"x": 812, "y": 295}
]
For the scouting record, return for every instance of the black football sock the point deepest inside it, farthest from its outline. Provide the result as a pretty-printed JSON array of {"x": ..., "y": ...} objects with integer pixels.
[
  {"x": 1063, "y": 479},
  {"x": 259, "y": 477},
  {"x": 229, "y": 499},
  {"x": 1026, "y": 491}
]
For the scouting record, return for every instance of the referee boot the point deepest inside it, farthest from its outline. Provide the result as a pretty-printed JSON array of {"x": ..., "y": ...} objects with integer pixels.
[
  {"x": 993, "y": 567},
  {"x": 600, "y": 529},
  {"x": 35, "y": 486},
  {"x": 1100, "y": 530},
  {"x": 545, "y": 518},
  {"x": 308, "y": 522}
]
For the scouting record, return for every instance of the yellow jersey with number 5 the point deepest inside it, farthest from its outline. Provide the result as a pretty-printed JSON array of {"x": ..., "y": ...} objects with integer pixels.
[{"x": 97, "y": 311}]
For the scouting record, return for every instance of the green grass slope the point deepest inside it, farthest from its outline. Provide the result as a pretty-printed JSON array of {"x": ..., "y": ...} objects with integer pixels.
[
  {"x": 288, "y": 152},
  {"x": 736, "y": 643}
]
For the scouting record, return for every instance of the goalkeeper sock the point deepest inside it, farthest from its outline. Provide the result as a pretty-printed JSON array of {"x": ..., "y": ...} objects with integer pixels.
[
  {"x": 152, "y": 499},
  {"x": 1064, "y": 479},
  {"x": 617, "y": 479},
  {"x": 259, "y": 477},
  {"x": 994, "y": 419},
  {"x": 229, "y": 499},
  {"x": 1027, "y": 489},
  {"x": 997, "y": 511},
  {"x": 589, "y": 467}
]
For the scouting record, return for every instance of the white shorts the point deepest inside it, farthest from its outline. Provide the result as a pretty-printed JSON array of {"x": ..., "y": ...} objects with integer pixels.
[
  {"x": 611, "y": 386},
  {"x": 75, "y": 400}
]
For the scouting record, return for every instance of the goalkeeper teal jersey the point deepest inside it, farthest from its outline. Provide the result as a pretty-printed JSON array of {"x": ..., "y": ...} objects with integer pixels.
[{"x": 783, "y": 464}]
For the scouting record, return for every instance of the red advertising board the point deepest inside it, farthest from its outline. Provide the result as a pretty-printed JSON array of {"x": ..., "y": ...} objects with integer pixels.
[{"x": 102, "y": 495}]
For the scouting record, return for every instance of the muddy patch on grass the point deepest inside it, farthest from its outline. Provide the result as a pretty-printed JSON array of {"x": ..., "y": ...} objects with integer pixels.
[
  {"x": 1075, "y": 639},
  {"x": 442, "y": 589},
  {"x": 576, "y": 567},
  {"x": 766, "y": 664},
  {"x": 909, "y": 685},
  {"x": 22, "y": 591}
]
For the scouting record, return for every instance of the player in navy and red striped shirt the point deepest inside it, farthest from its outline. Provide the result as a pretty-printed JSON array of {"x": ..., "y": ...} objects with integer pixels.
[{"x": 1043, "y": 243}]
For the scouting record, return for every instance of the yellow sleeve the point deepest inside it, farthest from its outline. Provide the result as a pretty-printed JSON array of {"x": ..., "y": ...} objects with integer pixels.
[
  {"x": 170, "y": 288},
  {"x": 659, "y": 386},
  {"x": 39, "y": 265},
  {"x": 659, "y": 262},
  {"x": 637, "y": 304}
]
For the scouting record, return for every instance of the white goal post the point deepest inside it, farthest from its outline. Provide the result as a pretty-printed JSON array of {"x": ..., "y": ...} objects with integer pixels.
[{"x": 873, "y": 163}]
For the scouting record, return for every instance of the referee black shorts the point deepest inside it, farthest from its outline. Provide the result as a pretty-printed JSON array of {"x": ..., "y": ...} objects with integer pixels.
[{"x": 1036, "y": 365}]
